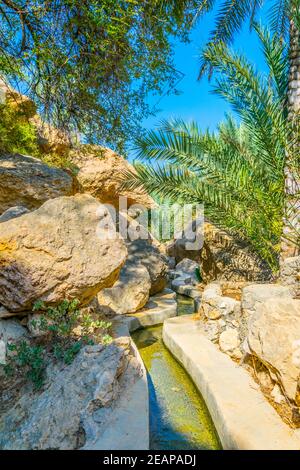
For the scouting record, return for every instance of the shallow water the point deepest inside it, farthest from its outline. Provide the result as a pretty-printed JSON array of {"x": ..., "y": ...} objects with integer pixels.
[{"x": 179, "y": 419}]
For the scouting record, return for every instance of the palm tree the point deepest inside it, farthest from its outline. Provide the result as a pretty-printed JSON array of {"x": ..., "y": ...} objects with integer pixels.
[
  {"x": 285, "y": 22},
  {"x": 237, "y": 172}
]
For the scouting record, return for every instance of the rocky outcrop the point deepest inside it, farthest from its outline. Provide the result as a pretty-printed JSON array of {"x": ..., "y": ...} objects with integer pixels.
[
  {"x": 26, "y": 181},
  {"x": 290, "y": 274},
  {"x": 50, "y": 139},
  {"x": 274, "y": 338},
  {"x": 79, "y": 403},
  {"x": 147, "y": 254},
  {"x": 221, "y": 257},
  {"x": 129, "y": 294},
  {"x": 57, "y": 253},
  {"x": 100, "y": 174},
  {"x": 256, "y": 294},
  {"x": 214, "y": 305}
]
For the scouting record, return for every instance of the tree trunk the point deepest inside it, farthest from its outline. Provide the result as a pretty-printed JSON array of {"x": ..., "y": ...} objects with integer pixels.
[{"x": 291, "y": 220}]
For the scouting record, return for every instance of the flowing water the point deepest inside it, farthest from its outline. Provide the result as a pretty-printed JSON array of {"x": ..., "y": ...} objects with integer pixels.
[{"x": 179, "y": 419}]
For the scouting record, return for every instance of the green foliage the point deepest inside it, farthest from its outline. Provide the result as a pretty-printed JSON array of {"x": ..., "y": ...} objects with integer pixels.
[
  {"x": 17, "y": 134},
  {"x": 59, "y": 320},
  {"x": 30, "y": 359},
  {"x": 238, "y": 171},
  {"x": 91, "y": 65},
  {"x": 231, "y": 15},
  {"x": 59, "y": 160},
  {"x": 58, "y": 324}
]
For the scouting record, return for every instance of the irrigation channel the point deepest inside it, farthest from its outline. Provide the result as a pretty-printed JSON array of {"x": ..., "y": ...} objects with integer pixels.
[{"x": 179, "y": 419}]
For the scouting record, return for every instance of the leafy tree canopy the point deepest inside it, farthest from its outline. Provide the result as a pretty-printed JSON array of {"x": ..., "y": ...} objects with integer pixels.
[{"x": 89, "y": 64}]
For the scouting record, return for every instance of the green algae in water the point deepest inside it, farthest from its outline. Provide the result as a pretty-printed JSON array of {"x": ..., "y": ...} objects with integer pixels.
[{"x": 179, "y": 419}]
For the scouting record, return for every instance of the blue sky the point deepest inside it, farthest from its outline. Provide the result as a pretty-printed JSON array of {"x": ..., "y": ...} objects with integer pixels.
[{"x": 196, "y": 102}]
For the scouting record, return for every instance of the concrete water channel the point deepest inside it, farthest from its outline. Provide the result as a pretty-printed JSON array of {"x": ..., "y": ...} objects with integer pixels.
[{"x": 179, "y": 418}]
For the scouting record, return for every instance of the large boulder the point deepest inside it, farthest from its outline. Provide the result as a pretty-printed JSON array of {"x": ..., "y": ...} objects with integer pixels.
[
  {"x": 26, "y": 181},
  {"x": 56, "y": 253},
  {"x": 220, "y": 255},
  {"x": 80, "y": 406},
  {"x": 256, "y": 294},
  {"x": 142, "y": 252},
  {"x": 100, "y": 174},
  {"x": 274, "y": 338},
  {"x": 130, "y": 293}
]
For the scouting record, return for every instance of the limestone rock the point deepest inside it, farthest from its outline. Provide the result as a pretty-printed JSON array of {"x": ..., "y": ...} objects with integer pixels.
[
  {"x": 130, "y": 293},
  {"x": 211, "y": 330},
  {"x": 290, "y": 274},
  {"x": 229, "y": 342},
  {"x": 256, "y": 294},
  {"x": 13, "y": 213},
  {"x": 142, "y": 252},
  {"x": 220, "y": 255},
  {"x": 51, "y": 139},
  {"x": 188, "y": 266},
  {"x": 274, "y": 338},
  {"x": 233, "y": 288},
  {"x": 77, "y": 405},
  {"x": 100, "y": 174},
  {"x": 26, "y": 181},
  {"x": 215, "y": 306},
  {"x": 57, "y": 253},
  {"x": 183, "y": 285}
]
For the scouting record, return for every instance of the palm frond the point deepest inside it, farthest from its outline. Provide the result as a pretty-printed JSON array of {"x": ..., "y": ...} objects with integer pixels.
[
  {"x": 237, "y": 171},
  {"x": 279, "y": 13}
]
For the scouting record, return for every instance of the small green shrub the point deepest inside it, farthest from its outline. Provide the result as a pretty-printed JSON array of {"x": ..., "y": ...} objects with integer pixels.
[
  {"x": 60, "y": 322},
  {"x": 29, "y": 358}
]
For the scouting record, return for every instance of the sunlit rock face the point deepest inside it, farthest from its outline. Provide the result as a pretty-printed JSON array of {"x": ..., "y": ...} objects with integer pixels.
[
  {"x": 129, "y": 294},
  {"x": 221, "y": 256},
  {"x": 26, "y": 181},
  {"x": 274, "y": 338},
  {"x": 55, "y": 253},
  {"x": 101, "y": 174},
  {"x": 79, "y": 405}
]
